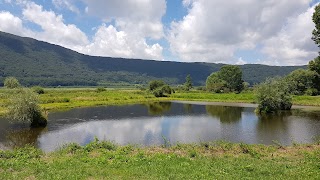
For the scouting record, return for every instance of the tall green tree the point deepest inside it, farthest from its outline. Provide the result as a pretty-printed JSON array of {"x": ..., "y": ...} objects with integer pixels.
[
  {"x": 214, "y": 83},
  {"x": 188, "y": 83},
  {"x": 314, "y": 65},
  {"x": 316, "y": 20},
  {"x": 232, "y": 75},
  {"x": 301, "y": 80}
]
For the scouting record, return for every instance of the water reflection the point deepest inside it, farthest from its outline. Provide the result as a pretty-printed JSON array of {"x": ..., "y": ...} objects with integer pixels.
[
  {"x": 158, "y": 108},
  {"x": 146, "y": 124},
  {"x": 224, "y": 113}
]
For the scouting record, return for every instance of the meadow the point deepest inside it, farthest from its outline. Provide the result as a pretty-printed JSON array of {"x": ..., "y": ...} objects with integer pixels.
[
  {"x": 67, "y": 98},
  {"x": 215, "y": 160}
]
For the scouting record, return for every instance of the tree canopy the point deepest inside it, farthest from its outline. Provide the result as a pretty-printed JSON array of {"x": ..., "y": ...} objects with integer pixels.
[
  {"x": 316, "y": 20},
  {"x": 228, "y": 78}
]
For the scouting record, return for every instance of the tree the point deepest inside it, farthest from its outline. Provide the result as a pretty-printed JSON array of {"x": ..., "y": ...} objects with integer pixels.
[
  {"x": 301, "y": 80},
  {"x": 188, "y": 83},
  {"x": 273, "y": 95},
  {"x": 24, "y": 106},
  {"x": 316, "y": 20},
  {"x": 232, "y": 75},
  {"x": 214, "y": 83},
  {"x": 155, "y": 84},
  {"x": 11, "y": 83}
]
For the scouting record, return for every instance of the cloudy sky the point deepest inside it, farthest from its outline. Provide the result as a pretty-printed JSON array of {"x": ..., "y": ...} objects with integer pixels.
[{"x": 274, "y": 32}]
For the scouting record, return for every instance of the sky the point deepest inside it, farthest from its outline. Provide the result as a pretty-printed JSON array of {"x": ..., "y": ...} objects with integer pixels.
[{"x": 272, "y": 32}]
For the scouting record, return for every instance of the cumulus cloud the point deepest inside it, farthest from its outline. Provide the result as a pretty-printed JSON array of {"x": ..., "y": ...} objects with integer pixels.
[
  {"x": 213, "y": 30},
  {"x": 139, "y": 17},
  {"x": 108, "y": 41},
  {"x": 53, "y": 28},
  {"x": 12, "y": 24},
  {"x": 293, "y": 44}
]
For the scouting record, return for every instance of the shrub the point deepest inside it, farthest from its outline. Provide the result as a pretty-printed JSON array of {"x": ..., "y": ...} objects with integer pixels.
[
  {"x": 11, "y": 83},
  {"x": 273, "y": 95},
  {"x": 100, "y": 89},
  {"x": 312, "y": 92},
  {"x": 161, "y": 91},
  {"x": 24, "y": 106},
  {"x": 156, "y": 84},
  {"x": 38, "y": 90}
]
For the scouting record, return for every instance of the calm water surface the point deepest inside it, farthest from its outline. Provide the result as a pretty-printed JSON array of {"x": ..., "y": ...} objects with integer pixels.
[{"x": 149, "y": 124}]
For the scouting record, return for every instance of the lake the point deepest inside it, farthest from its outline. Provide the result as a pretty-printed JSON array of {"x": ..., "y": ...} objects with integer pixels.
[{"x": 154, "y": 123}]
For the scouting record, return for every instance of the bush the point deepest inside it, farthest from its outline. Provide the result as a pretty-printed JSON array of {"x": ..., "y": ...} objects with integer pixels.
[
  {"x": 161, "y": 91},
  {"x": 38, "y": 90},
  {"x": 312, "y": 92},
  {"x": 11, "y": 83},
  {"x": 100, "y": 89},
  {"x": 24, "y": 106},
  {"x": 156, "y": 84},
  {"x": 273, "y": 95}
]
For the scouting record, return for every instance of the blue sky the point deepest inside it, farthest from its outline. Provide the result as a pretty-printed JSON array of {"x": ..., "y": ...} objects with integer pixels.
[{"x": 274, "y": 32}]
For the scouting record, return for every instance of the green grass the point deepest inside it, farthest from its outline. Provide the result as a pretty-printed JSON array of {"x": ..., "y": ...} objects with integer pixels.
[
  {"x": 219, "y": 160},
  {"x": 66, "y": 98}
]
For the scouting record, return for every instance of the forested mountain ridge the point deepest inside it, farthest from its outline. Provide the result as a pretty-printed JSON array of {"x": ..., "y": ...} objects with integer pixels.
[{"x": 39, "y": 63}]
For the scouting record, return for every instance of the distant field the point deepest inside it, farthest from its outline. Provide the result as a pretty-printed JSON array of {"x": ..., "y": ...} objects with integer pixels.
[{"x": 66, "y": 98}]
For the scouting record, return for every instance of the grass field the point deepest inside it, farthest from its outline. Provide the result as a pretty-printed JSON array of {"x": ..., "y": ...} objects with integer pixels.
[
  {"x": 66, "y": 98},
  {"x": 219, "y": 160}
]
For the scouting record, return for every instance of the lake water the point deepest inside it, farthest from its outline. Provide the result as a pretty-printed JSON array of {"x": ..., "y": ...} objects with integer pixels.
[{"x": 150, "y": 124}]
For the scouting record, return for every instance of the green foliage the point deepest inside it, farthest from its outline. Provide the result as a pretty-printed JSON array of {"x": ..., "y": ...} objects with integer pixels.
[
  {"x": 316, "y": 20},
  {"x": 273, "y": 95},
  {"x": 162, "y": 91},
  {"x": 300, "y": 80},
  {"x": 159, "y": 88},
  {"x": 38, "y": 89},
  {"x": 232, "y": 75},
  {"x": 188, "y": 83},
  {"x": 24, "y": 106},
  {"x": 100, "y": 89},
  {"x": 11, "y": 83},
  {"x": 312, "y": 92},
  {"x": 155, "y": 84},
  {"x": 229, "y": 78},
  {"x": 214, "y": 83},
  {"x": 314, "y": 65}
]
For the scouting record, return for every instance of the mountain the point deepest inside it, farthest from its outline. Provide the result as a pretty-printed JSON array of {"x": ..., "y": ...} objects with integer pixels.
[{"x": 39, "y": 63}]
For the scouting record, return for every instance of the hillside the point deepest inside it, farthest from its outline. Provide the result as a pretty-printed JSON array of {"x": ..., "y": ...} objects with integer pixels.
[{"x": 39, "y": 63}]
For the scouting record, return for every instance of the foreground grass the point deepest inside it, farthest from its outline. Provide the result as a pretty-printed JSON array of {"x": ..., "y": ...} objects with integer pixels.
[
  {"x": 66, "y": 98},
  {"x": 220, "y": 160}
]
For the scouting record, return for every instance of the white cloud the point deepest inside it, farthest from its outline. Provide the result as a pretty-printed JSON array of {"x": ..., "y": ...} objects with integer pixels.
[
  {"x": 139, "y": 17},
  {"x": 213, "y": 30},
  {"x": 241, "y": 61},
  {"x": 53, "y": 28},
  {"x": 293, "y": 44},
  {"x": 12, "y": 24},
  {"x": 108, "y": 41},
  {"x": 66, "y": 4}
]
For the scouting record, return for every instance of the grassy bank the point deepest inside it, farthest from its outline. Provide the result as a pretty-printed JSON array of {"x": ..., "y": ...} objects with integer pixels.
[
  {"x": 65, "y": 98},
  {"x": 220, "y": 160}
]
